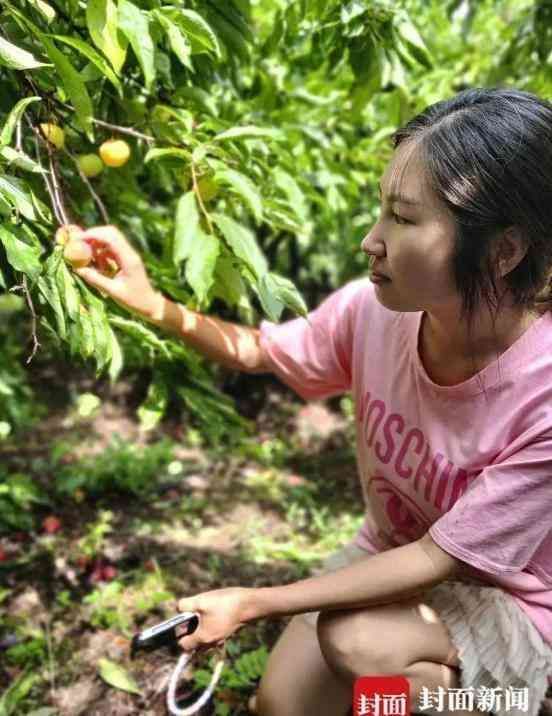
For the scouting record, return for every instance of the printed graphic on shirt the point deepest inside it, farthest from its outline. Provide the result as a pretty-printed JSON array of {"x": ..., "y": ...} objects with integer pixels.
[
  {"x": 411, "y": 484},
  {"x": 407, "y": 519}
]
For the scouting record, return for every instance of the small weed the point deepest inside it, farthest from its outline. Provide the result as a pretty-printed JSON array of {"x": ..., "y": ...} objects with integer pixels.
[
  {"x": 92, "y": 542},
  {"x": 270, "y": 452},
  {"x": 122, "y": 467},
  {"x": 240, "y": 675},
  {"x": 116, "y": 605},
  {"x": 18, "y": 493}
]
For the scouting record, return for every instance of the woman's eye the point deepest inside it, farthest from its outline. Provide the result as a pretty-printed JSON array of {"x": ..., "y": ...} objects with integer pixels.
[{"x": 399, "y": 219}]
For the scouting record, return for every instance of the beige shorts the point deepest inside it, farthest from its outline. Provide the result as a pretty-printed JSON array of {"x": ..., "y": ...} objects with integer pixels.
[{"x": 498, "y": 645}]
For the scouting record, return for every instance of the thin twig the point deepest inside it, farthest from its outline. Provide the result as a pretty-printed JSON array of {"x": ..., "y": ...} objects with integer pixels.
[
  {"x": 36, "y": 344},
  {"x": 49, "y": 188},
  {"x": 57, "y": 188},
  {"x": 51, "y": 668},
  {"x": 107, "y": 125},
  {"x": 18, "y": 136},
  {"x": 99, "y": 202},
  {"x": 123, "y": 130},
  {"x": 201, "y": 204}
]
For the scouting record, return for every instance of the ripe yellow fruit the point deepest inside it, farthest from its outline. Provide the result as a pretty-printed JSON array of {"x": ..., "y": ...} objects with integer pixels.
[
  {"x": 78, "y": 253},
  {"x": 208, "y": 188},
  {"x": 54, "y": 134},
  {"x": 67, "y": 232},
  {"x": 90, "y": 165},
  {"x": 115, "y": 152}
]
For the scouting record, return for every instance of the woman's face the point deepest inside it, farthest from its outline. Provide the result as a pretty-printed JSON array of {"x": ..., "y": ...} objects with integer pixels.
[{"x": 412, "y": 244}]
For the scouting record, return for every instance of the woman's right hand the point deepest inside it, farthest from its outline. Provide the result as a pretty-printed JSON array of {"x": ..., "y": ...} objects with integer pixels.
[{"x": 130, "y": 287}]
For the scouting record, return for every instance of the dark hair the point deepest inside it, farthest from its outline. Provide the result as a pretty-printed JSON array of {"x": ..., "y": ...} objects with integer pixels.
[{"x": 487, "y": 153}]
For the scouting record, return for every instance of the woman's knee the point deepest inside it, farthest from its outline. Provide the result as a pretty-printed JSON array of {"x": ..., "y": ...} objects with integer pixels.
[
  {"x": 297, "y": 679},
  {"x": 337, "y": 641},
  {"x": 346, "y": 643}
]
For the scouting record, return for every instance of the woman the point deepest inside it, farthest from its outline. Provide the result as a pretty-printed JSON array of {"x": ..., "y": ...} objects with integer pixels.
[{"x": 447, "y": 350}]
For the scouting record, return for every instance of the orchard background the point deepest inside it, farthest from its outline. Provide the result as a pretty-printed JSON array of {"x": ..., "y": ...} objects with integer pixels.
[{"x": 132, "y": 471}]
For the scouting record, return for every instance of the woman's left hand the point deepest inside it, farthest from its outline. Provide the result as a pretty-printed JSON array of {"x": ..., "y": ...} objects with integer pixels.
[{"x": 221, "y": 612}]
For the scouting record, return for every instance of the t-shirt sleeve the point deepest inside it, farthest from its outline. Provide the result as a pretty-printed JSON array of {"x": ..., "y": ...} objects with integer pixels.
[
  {"x": 314, "y": 356},
  {"x": 499, "y": 522}
]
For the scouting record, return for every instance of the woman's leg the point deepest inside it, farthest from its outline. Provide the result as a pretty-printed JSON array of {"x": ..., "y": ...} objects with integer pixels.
[
  {"x": 406, "y": 637},
  {"x": 297, "y": 680}
]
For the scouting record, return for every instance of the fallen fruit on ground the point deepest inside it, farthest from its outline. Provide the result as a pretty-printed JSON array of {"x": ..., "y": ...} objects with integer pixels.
[
  {"x": 78, "y": 253},
  {"x": 54, "y": 134},
  {"x": 51, "y": 524},
  {"x": 67, "y": 232},
  {"x": 90, "y": 165},
  {"x": 115, "y": 152}
]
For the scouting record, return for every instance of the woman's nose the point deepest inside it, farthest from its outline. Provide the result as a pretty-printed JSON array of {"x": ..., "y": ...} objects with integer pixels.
[{"x": 371, "y": 245}]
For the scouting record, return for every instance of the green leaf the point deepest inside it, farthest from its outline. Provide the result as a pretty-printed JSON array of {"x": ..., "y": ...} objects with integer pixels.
[
  {"x": 292, "y": 191},
  {"x": 243, "y": 186},
  {"x": 21, "y": 256},
  {"x": 155, "y": 403},
  {"x": 138, "y": 330},
  {"x": 101, "y": 18},
  {"x": 200, "y": 98},
  {"x": 275, "y": 292},
  {"x": 94, "y": 57},
  {"x": 135, "y": 25},
  {"x": 17, "y": 59},
  {"x": 74, "y": 86},
  {"x": 100, "y": 324},
  {"x": 250, "y": 131},
  {"x": 243, "y": 244},
  {"x": 186, "y": 227},
  {"x": 68, "y": 291},
  {"x": 21, "y": 160},
  {"x": 50, "y": 292},
  {"x": 351, "y": 10},
  {"x": 233, "y": 39},
  {"x": 12, "y": 191},
  {"x": 17, "y": 691},
  {"x": 196, "y": 28},
  {"x": 115, "y": 675},
  {"x": 414, "y": 42},
  {"x": 200, "y": 266},
  {"x": 161, "y": 153},
  {"x": 178, "y": 42},
  {"x": 117, "y": 360},
  {"x": 229, "y": 284},
  {"x": 13, "y": 118},
  {"x": 47, "y": 11}
]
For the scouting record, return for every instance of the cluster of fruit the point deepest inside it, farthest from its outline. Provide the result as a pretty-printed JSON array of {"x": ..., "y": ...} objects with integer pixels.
[{"x": 112, "y": 153}]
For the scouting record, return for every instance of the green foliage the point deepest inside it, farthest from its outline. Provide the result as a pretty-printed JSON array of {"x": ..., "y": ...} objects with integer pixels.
[
  {"x": 18, "y": 494},
  {"x": 31, "y": 652},
  {"x": 121, "y": 467},
  {"x": 19, "y": 407},
  {"x": 211, "y": 94},
  {"x": 240, "y": 674},
  {"x": 91, "y": 543},
  {"x": 12, "y": 698},
  {"x": 116, "y": 605}
]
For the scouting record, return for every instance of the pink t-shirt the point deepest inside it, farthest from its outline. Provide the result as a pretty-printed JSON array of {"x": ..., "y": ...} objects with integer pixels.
[{"x": 475, "y": 471}]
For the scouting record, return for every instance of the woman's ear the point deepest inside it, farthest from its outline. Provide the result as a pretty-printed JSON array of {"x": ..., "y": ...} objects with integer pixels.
[{"x": 511, "y": 248}]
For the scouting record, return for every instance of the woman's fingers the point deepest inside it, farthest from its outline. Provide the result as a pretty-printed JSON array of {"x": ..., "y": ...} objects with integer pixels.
[
  {"x": 190, "y": 642},
  {"x": 96, "y": 278},
  {"x": 111, "y": 239}
]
